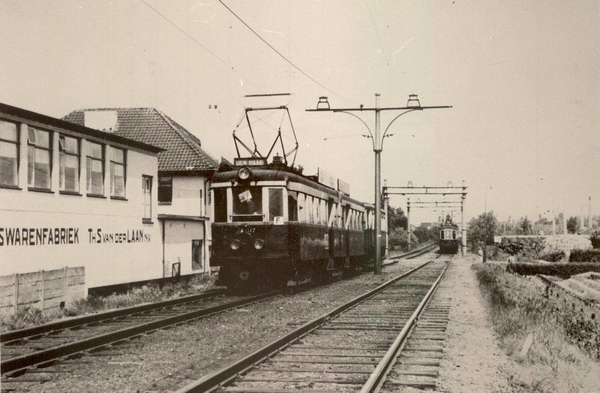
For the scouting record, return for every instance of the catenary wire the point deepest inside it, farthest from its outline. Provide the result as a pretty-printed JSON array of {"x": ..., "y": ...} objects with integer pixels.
[
  {"x": 200, "y": 44},
  {"x": 387, "y": 62},
  {"x": 281, "y": 55}
]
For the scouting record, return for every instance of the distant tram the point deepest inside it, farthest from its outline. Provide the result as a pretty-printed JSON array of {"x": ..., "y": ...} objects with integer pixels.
[{"x": 449, "y": 237}]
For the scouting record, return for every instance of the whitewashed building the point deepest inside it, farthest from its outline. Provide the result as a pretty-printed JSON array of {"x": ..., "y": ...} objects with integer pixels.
[
  {"x": 184, "y": 171},
  {"x": 75, "y": 197}
]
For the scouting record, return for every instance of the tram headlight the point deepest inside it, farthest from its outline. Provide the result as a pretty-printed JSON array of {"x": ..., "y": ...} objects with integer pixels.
[
  {"x": 235, "y": 244},
  {"x": 244, "y": 173},
  {"x": 259, "y": 244}
]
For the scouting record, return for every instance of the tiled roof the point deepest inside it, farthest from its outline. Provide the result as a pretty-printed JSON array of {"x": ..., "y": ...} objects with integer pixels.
[{"x": 151, "y": 126}]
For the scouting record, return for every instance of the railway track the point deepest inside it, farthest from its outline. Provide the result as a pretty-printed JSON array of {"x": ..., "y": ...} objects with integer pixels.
[
  {"x": 32, "y": 351},
  {"x": 353, "y": 348}
]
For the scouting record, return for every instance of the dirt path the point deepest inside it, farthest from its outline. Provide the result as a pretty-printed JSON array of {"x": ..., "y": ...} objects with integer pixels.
[{"x": 473, "y": 361}]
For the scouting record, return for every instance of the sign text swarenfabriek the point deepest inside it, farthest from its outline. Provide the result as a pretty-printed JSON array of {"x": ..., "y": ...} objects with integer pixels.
[
  {"x": 55, "y": 236},
  {"x": 38, "y": 236}
]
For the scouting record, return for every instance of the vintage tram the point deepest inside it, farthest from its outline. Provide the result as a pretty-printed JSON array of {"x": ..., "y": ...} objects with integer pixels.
[
  {"x": 273, "y": 224},
  {"x": 449, "y": 237}
]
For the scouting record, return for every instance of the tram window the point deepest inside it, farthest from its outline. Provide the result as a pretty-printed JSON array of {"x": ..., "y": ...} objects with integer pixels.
[
  {"x": 220, "y": 204},
  {"x": 323, "y": 207},
  {"x": 301, "y": 207},
  {"x": 275, "y": 203},
  {"x": 247, "y": 201},
  {"x": 292, "y": 206}
]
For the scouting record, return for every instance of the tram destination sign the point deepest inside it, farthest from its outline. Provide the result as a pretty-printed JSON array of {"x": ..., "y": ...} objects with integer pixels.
[{"x": 250, "y": 161}]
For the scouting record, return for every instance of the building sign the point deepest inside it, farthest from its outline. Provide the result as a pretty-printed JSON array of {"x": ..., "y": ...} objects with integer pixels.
[
  {"x": 55, "y": 236},
  {"x": 343, "y": 187},
  {"x": 129, "y": 236},
  {"x": 38, "y": 236},
  {"x": 325, "y": 178}
]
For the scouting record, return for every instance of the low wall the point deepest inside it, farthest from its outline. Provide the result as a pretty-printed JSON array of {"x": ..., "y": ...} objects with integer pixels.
[{"x": 44, "y": 290}]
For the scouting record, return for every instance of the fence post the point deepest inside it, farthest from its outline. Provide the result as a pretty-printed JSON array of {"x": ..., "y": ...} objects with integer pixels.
[
  {"x": 66, "y": 269},
  {"x": 43, "y": 290},
  {"x": 16, "y": 294}
]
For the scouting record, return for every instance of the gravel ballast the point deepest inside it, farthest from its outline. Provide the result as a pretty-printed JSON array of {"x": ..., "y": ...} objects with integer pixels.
[{"x": 169, "y": 359}]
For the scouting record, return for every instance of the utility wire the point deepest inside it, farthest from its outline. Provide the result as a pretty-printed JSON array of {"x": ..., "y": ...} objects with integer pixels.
[
  {"x": 281, "y": 55},
  {"x": 199, "y": 44},
  {"x": 379, "y": 38}
]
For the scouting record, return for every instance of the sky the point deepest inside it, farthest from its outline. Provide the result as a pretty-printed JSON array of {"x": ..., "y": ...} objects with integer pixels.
[{"x": 522, "y": 77}]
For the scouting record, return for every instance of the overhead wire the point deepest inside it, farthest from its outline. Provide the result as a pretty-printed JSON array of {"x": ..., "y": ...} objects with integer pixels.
[
  {"x": 281, "y": 55},
  {"x": 200, "y": 44},
  {"x": 387, "y": 59}
]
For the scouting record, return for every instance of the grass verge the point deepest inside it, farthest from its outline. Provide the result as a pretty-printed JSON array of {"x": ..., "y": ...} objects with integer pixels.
[
  {"x": 150, "y": 293},
  {"x": 565, "y": 353}
]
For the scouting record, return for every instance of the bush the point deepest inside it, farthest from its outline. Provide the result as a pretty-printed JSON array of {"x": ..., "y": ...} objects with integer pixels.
[
  {"x": 525, "y": 248},
  {"x": 564, "y": 270},
  {"x": 595, "y": 238},
  {"x": 591, "y": 255},
  {"x": 553, "y": 256}
]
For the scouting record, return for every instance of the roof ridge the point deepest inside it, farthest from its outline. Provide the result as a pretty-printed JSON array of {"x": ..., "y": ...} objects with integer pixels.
[{"x": 184, "y": 135}]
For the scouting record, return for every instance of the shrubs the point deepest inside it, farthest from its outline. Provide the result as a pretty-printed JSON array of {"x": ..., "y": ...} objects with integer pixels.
[
  {"x": 591, "y": 255},
  {"x": 148, "y": 293},
  {"x": 523, "y": 247},
  {"x": 564, "y": 270},
  {"x": 553, "y": 256},
  {"x": 595, "y": 238}
]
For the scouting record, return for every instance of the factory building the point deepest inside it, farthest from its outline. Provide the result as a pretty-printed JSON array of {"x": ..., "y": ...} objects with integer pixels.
[
  {"x": 184, "y": 172},
  {"x": 75, "y": 197}
]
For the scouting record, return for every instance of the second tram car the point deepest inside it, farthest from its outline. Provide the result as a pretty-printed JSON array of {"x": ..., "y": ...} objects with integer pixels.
[
  {"x": 449, "y": 237},
  {"x": 271, "y": 223}
]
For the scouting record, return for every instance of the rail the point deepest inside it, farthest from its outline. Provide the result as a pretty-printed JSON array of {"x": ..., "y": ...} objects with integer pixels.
[
  {"x": 216, "y": 380},
  {"x": 21, "y": 363}
]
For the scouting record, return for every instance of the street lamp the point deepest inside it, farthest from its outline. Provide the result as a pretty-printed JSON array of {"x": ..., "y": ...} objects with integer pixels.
[{"x": 413, "y": 104}]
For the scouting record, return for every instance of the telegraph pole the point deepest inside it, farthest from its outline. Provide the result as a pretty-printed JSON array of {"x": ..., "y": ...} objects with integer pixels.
[{"x": 413, "y": 104}]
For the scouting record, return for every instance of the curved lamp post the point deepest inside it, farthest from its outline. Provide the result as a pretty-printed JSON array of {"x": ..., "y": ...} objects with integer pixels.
[{"x": 413, "y": 104}]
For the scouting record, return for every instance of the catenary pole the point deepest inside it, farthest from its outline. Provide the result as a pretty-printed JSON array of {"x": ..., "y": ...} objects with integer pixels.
[{"x": 413, "y": 104}]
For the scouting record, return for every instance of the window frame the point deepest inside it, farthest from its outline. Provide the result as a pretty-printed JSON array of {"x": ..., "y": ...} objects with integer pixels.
[
  {"x": 17, "y": 143},
  {"x": 147, "y": 199},
  {"x": 112, "y": 165},
  {"x": 161, "y": 190},
  {"x": 34, "y": 146},
  {"x": 62, "y": 151},
  {"x": 88, "y": 160}
]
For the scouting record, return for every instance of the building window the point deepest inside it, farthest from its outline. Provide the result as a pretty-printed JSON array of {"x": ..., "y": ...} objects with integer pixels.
[
  {"x": 69, "y": 163},
  {"x": 95, "y": 169},
  {"x": 9, "y": 154},
  {"x": 38, "y": 158},
  {"x": 117, "y": 172},
  {"x": 147, "y": 197},
  {"x": 165, "y": 190}
]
